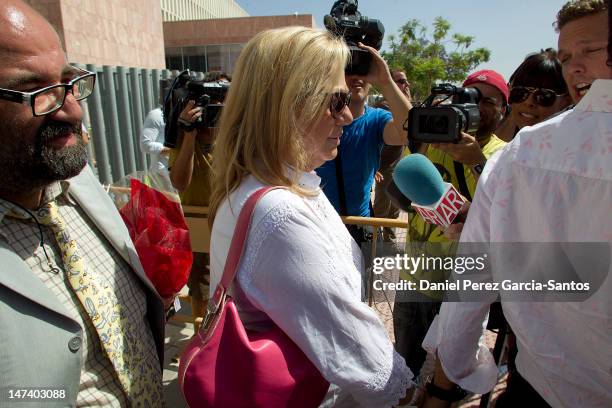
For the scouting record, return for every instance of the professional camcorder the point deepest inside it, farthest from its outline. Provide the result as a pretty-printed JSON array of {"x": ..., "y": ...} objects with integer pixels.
[
  {"x": 344, "y": 20},
  {"x": 436, "y": 122},
  {"x": 207, "y": 95}
]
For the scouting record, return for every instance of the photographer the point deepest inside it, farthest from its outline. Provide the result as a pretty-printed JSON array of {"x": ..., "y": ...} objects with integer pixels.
[
  {"x": 190, "y": 173},
  {"x": 347, "y": 180},
  {"x": 190, "y": 162},
  {"x": 460, "y": 164}
]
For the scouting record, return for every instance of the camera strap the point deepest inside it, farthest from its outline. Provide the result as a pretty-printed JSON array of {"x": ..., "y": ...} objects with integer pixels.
[
  {"x": 460, "y": 173},
  {"x": 340, "y": 181}
]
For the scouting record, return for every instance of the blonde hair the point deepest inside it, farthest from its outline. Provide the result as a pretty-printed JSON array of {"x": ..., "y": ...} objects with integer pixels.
[{"x": 280, "y": 87}]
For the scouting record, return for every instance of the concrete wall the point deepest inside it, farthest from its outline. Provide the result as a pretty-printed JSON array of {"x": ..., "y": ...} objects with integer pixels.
[
  {"x": 108, "y": 32},
  {"x": 226, "y": 30}
]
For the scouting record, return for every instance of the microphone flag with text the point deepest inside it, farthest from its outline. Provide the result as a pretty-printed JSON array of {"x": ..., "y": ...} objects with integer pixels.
[{"x": 436, "y": 201}]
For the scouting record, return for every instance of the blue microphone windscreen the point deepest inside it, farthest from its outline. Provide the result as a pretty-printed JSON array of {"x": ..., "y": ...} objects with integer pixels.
[{"x": 418, "y": 179}]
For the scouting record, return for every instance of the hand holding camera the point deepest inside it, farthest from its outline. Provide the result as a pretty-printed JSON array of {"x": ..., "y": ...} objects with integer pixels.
[
  {"x": 189, "y": 115},
  {"x": 466, "y": 151},
  {"x": 183, "y": 98},
  {"x": 378, "y": 73}
]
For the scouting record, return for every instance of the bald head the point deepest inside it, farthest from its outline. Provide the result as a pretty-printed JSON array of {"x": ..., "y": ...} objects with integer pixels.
[
  {"x": 35, "y": 150},
  {"x": 21, "y": 24},
  {"x": 29, "y": 46}
]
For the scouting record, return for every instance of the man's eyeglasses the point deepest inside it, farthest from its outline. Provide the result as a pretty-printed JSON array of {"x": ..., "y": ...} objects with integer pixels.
[
  {"x": 401, "y": 81},
  {"x": 338, "y": 101},
  {"x": 542, "y": 96},
  {"x": 47, "y": 100}
]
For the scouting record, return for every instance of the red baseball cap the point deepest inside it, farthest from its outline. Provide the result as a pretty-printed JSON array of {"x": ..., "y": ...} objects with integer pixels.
[{"x": 489, "y": 77}]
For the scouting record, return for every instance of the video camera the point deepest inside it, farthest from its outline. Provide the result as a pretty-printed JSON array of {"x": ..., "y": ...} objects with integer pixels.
[
  {"x": 443, "y": 123},
  {"x": 344, "y": 20},
  {"x": 207, "y": 95}
]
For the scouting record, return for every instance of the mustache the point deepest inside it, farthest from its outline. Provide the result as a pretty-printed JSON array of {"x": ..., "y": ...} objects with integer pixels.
[{"x": 52, "y": 129}]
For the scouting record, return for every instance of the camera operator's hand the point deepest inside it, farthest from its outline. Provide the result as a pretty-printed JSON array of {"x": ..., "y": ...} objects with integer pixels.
[
  {"x": 379, "y": 73},
  {"x": 190, "y": 113},
  {"x": 467, "y": 151},
  {"x": 453, "y": 231}
]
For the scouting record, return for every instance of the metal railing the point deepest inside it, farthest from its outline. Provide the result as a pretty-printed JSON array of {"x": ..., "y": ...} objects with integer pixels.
[{"x": 114, "y": 115}]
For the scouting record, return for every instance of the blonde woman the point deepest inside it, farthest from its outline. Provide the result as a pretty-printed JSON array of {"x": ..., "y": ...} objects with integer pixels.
[{"x": 301, "y": 270}]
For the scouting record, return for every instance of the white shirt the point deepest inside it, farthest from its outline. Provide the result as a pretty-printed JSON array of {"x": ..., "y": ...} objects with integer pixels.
[
  {"x": 152, "y": 139},
  {"x": 302, "y": 270},
  {"x": 553, "y": 183}
]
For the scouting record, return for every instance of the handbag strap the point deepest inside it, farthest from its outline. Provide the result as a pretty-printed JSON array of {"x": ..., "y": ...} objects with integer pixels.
[{"x": 237, "y": 246}]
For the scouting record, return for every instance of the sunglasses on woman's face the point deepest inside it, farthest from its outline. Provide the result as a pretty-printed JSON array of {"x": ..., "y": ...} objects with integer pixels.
[
  {"x": 338, "y": 101},
  {"x": 542, "y": 96}
]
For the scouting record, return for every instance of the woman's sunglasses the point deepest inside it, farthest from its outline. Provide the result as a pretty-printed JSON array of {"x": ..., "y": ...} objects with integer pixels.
[
  {"x": 338, "y": 101},
  {"x": 542, "y": 96}
]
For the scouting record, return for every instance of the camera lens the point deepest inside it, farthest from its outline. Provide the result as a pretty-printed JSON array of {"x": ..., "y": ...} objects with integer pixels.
[{"x": 436, "y": 124}]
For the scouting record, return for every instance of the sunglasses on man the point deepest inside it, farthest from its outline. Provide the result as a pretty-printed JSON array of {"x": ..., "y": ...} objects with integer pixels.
[
  {"x": 338, "y": 101},
  {"x": 542, "y": 96},
  {"x": 50, "y": 99}
]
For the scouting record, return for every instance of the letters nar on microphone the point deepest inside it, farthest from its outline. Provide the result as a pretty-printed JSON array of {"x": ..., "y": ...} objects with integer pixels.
[{"x": 445, "y": 210}]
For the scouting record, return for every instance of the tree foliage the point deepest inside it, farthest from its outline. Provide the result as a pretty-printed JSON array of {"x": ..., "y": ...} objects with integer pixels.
[{"x": 432, "y": 59}]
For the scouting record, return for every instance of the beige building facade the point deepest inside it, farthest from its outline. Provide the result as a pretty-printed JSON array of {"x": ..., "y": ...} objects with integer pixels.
[
  {"x": 108, "y": 32},
  {"x": 146, "y": 33},
  {"x": 214, "y": 45}
]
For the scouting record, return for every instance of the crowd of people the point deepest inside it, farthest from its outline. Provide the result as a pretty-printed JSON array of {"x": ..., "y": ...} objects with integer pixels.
[{"x": 78, "y": 314}]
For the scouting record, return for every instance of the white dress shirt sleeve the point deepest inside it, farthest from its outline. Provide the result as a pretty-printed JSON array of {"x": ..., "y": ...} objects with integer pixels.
[
  {"x": 456, "y": 334},
  {"x": 297, "y": 277},
  {"x": 149, "y": 139}
]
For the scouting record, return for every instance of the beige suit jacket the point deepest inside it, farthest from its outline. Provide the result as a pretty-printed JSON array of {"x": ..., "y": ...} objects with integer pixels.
[{"x": 39, "y": 342}]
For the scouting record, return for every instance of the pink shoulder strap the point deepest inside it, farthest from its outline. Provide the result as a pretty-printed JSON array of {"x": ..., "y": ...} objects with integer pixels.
[{"x": 237, "y": 246}]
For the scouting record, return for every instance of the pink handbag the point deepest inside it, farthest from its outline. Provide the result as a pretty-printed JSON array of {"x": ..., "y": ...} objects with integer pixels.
[{"x": 227, "y": 366}]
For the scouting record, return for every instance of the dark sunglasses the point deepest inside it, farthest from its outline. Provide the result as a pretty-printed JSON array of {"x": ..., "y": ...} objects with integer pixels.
[
  {"x": 542, "y": 96},
  {"x": 338, "y": 101},
  {"x": 402, "y": 82}
]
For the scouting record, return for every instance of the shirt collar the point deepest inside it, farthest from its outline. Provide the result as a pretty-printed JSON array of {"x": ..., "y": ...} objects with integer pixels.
[
  {"x": 308, "y": 180},
  {"x": 51, "y": 193},
  {"x": 598, "y": 98}
]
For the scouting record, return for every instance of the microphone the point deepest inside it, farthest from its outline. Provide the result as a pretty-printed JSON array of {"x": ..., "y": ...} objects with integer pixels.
[{"x": 437, "y": 202}]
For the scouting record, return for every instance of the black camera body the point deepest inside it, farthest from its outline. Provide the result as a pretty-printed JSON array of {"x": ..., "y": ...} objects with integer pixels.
[
  {"x": 208, "y": 96},
  {"x": 346, "y": 21},
  {"x": 444, "y": 123}
]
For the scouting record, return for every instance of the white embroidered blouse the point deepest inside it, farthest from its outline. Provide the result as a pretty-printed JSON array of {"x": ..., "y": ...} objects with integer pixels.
[{"x": 302, "y": 270}]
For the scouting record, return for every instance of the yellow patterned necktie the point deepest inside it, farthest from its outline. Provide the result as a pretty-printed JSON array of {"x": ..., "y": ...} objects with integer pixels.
[{"x": 136, "y": 374}]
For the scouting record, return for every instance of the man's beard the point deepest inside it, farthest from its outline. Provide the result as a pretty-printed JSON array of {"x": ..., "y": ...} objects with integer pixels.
[
  {"x": 486, "y": 129},
  {"x": 29, "y": 166}
]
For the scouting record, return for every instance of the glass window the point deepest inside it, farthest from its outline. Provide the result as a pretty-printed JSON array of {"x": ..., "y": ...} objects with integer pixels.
[{"x": 195, "y": 58}]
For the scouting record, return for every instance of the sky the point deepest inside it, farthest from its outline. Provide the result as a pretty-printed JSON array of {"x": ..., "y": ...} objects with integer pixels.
[{"x": 511, "y": 29}]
